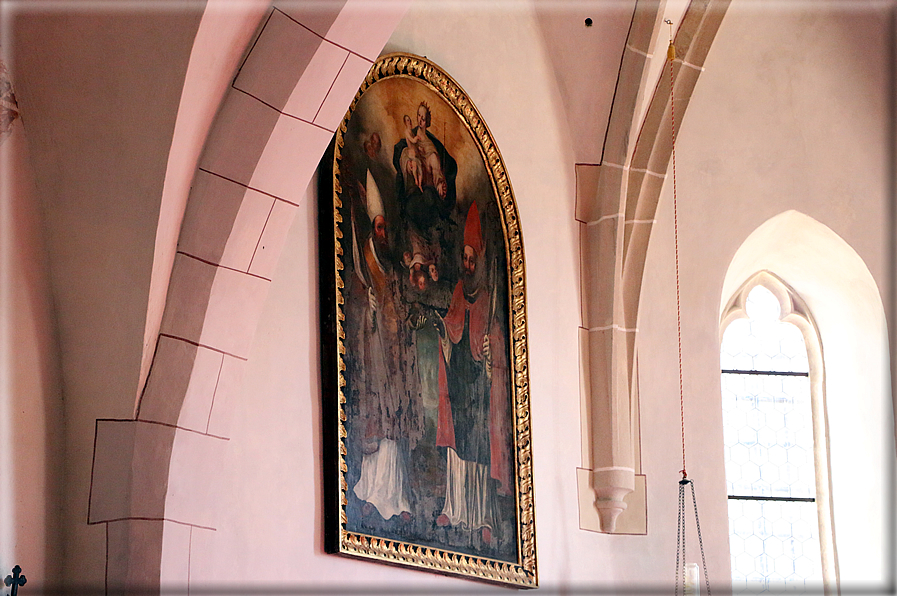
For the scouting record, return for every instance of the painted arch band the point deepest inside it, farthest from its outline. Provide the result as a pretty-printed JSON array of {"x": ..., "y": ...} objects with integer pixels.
[{"x": 427, "y": 421}]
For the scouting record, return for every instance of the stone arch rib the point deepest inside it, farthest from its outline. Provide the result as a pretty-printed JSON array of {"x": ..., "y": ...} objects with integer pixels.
[
  {"x": 617, "y": 216},
  {"x": 653, "y": 149},
  {"x": 300, "y": 73}
]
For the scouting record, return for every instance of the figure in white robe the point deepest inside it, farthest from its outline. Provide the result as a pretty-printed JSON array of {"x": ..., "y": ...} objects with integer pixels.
[{"x": 384, "y": 376}]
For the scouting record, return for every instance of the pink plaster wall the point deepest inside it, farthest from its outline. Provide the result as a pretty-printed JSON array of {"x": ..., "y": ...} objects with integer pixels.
[
  {"x": 31, "y": 405},
  {"x": 273, "y": 456},
  {"x": 219, "y": 45},
  {"x": 242, "y": 490},
  {"x": 98, "y": 92}
]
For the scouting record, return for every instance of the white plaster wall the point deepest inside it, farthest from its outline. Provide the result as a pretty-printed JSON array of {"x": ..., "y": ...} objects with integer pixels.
[
  {"x": 790, "y": 113},
  {"x": 30, "y": 393}
]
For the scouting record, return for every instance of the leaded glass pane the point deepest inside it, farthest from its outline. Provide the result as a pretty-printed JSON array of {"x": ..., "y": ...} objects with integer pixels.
[
  {"x": 768, "y": 433},
  {"x": 774, "y": 547}
]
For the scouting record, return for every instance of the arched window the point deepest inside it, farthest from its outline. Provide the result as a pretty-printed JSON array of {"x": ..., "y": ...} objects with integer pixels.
[{"x": 775, "y": 443}]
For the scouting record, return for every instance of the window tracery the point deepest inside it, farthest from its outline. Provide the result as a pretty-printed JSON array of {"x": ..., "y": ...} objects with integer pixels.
[{"x": 775, "y": 442}]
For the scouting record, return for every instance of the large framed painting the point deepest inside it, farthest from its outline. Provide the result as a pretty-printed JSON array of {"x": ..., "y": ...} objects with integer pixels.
[{"x": 426, "y": 405}]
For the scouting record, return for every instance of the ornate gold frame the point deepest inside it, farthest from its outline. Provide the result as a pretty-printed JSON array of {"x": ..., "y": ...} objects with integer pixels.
[{"x": 338, "y": 539}]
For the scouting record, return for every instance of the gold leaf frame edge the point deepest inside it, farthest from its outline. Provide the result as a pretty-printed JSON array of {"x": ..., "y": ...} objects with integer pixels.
[{"x": 524, "y": 573}]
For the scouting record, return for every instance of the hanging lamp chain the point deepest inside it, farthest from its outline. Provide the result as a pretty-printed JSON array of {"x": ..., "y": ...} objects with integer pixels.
[{"x": 680, "y": 538}]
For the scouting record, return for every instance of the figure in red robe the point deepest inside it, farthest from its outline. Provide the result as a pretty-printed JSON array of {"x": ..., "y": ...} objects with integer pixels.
[{"x": 474, "y": 403}]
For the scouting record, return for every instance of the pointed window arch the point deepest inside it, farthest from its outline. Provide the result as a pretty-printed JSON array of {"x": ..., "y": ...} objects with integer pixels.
[{"x": 776, "y": 451}]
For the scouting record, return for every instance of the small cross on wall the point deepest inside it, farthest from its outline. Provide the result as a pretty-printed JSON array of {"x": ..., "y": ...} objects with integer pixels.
[{"x": 15, "y": 580}]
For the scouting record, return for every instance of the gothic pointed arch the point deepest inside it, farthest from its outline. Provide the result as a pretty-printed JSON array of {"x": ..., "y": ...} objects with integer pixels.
[
  {"x": 835, "y": 285},
  {"x": 786, "y": 377}
]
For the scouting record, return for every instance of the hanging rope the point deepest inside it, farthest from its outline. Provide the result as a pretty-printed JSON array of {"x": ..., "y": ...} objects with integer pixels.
[
  {"x": 685, "y": 481},
  {"x": 671, "y": 57}
]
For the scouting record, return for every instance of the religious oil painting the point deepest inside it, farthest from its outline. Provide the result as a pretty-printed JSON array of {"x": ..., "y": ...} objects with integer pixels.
[{"x": 426, "y": 401}]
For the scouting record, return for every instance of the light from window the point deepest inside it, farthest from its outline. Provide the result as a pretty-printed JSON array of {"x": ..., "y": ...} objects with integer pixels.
[{"x": 770, "y": 467}]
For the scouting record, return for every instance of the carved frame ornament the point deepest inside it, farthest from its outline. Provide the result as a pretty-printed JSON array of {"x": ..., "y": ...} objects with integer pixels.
[{"x": 367, "y": 174}]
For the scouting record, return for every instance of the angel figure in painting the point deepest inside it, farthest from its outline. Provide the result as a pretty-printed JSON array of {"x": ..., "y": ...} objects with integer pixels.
[{"x": 473, "y": 417}]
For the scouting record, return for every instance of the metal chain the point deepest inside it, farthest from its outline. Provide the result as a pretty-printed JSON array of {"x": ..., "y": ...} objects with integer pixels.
[
  {"x": 700, "y": 542},
  {"x": 680, "y": 542},
  {"x": 681, "y": 535}
]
